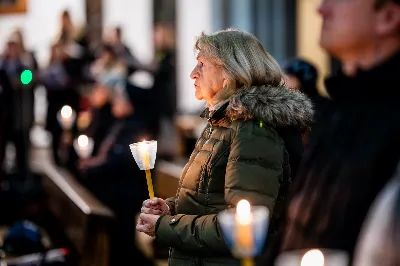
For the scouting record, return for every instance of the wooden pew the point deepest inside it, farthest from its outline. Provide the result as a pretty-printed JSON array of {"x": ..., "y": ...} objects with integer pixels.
[
  {"x": 84, "y": 220},
  {"x": 167, "y": 177}
]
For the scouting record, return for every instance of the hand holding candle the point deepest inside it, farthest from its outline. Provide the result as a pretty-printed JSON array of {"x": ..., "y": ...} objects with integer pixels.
[{"x": 144, "y": 154}]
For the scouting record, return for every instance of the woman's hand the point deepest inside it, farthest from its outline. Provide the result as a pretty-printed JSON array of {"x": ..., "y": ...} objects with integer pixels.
[
  {"x": 147, "y": 224},
  {"x": 155, "y": 206}
]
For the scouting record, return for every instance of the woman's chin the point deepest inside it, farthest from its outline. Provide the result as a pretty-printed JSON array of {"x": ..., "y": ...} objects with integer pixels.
[{"x": 198, "y": 95}]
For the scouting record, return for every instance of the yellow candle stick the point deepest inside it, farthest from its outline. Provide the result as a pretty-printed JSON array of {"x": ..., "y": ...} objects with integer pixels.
[
  {"x": 146, "y": 162},
  {"x": 149, "y": 184},
  {"x": 244, "y": 233},
  {"x": 247, "y": 262}
]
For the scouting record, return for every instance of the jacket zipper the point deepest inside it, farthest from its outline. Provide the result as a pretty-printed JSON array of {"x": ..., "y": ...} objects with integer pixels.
[{"x": 210, "y": 129}]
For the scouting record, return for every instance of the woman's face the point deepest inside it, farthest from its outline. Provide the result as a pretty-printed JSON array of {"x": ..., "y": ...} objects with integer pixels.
[{"x": 208, "y": 79}]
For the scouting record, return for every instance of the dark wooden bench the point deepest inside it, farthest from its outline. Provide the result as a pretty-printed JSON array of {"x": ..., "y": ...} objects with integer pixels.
[
  {"x": 167, "y": 177},
  {"x": 84, "y": 220}
]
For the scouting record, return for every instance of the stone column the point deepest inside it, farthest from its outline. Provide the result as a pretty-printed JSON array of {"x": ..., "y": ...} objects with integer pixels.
[{"x": 94, "y": 20}]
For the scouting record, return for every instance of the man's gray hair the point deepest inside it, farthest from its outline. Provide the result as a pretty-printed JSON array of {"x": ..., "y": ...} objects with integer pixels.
[{"x": 243, "y": 58}]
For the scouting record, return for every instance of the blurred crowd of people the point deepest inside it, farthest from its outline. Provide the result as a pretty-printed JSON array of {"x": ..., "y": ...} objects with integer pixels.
[{"x": 95, "y": 81}]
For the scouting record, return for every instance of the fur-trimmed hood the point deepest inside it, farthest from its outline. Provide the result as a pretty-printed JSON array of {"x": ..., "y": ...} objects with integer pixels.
[{"x": 277, "y": 106}]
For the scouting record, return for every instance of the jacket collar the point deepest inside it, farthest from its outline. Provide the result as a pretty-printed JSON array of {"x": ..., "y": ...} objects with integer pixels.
[
  {"x": 277, "y": 106},
  {"x": 370, "y": 84}
]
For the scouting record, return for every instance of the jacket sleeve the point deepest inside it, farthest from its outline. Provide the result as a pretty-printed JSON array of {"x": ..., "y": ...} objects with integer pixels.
[
  {"x": 196, "y": 234},
  {"x": 171, "y": 204},
  {"x": 253, "y": 172}
]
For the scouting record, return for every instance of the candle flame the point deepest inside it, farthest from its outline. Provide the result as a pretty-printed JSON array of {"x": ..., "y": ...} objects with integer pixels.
[
  {"x": 243, "y": 212},
  {"x": 66, "y": 111},
  {"x": 313, "y": 257},
  {"x": 83, "y": 141},
  {"x": 143, "y": 146}
]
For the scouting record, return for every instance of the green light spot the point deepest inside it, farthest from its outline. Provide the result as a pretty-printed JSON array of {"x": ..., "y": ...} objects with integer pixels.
[{"x": 26, "y": 77}]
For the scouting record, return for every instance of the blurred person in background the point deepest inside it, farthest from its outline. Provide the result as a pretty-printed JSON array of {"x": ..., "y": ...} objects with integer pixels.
[
  {"x": 303, "y": 76},
  {"x": 355, "y": 148},
  {"x": 164, "y": 91},
  {"x": 67, "y": 31},
  {"x": 108, "y": 67},
  {"x": 109, "y": 74},
  {"x": 114, "y": 39},
  {"x": 76, "y": 45},
  {"x": 5, "y": 91},
  {"x": 59, "y": 93},
  {"x": 114, "y": 178},
  {"x": 28, "y": 59},
  {"x": 19, "y": 118},
  {"x": 379, "y": 240},
  {"x": 241, "y": 154}
]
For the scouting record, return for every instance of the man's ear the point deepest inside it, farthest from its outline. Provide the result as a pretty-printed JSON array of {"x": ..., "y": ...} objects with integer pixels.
[{"x": 388, "y": 22}]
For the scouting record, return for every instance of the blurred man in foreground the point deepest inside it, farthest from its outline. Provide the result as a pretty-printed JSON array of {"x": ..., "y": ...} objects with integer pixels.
[{"x": 355, "y": 149}]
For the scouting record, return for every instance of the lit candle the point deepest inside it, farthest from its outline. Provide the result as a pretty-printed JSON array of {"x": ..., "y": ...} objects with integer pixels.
[
  {"x": 66, "y": 117},
  {"x": 244, "y": 232},
  {"x": 66, "y": 112},
  {"x": 145, "y": 155},
  {"x": 313, "y": 257},
  {"x": 83, "y": 146}
]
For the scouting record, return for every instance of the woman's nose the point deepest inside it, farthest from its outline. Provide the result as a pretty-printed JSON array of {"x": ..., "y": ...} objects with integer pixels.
[
  {"x": 194, "y": 74},
  {"x": 323, "y": 8}
]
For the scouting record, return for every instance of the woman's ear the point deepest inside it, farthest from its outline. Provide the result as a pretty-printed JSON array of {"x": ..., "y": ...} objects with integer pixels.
[
  {"x": 389, "y": 19},
  {"x": 224, "y": 83}
]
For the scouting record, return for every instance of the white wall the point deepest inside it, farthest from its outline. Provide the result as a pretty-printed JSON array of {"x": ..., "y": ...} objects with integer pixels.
[
  {"x": 193, "y": 17},
  {"x": 40, "y": 24},
  {"x": 309, "y": 28}
]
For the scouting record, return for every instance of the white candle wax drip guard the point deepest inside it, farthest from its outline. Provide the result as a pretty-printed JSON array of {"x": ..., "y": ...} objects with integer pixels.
[
  {"x": 84, "y": 152},
  {"x": 139, "y": 148},
  {"x": 331, "y": 257},
  {"x": 259, "y": 223}
]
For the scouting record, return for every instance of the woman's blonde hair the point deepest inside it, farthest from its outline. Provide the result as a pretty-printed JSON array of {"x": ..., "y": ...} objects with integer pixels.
[{"x": 243, "y": 58}]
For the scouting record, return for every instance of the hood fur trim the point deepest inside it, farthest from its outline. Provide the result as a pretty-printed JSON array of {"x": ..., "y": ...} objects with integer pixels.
[{"x": 277, "y": 106}]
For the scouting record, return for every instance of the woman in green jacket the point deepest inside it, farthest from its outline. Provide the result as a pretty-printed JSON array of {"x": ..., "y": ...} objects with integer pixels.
[{"x": 248, "y": 150}]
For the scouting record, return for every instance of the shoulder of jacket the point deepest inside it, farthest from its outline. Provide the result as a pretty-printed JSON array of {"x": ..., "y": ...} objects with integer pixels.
[{"x": 254, "y": 126}]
